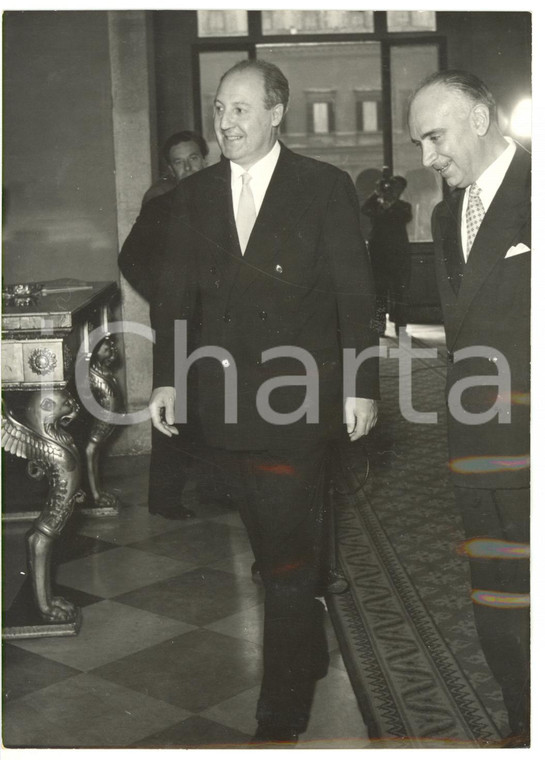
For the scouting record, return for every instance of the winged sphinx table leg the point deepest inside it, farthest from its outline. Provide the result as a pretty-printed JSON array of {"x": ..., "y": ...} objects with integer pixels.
[
  {"x": 40, "y": 437},
  {"x": 106, "y": 391}
]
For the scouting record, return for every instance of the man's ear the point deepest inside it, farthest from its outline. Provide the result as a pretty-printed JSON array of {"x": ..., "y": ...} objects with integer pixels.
[
  {"x": 277, "y": 114},
  {"x": 480, "y": 118}
]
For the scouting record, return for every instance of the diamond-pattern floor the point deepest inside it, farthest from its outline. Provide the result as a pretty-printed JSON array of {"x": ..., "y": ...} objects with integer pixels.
[{"x": 169, "y": 652}]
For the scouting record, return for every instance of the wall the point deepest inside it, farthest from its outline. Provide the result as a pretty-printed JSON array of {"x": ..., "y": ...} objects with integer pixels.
[
  {"x": 174, "y": 31},
  {"x": 58, "y": 178},
  {"x": 495, "y": 46}
]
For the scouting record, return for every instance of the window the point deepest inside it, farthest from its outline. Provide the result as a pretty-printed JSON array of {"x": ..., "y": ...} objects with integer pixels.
[
  {"x": 320, "y": 112},
  {"x": 411, "y": 21},
  {"x": 368, "y": 110},
  {"x": 321, "y": 121},
  {"x": 222, "y": 23},
  {"x": 316, "y": 22},
  {"x": 410, "y": 64}
]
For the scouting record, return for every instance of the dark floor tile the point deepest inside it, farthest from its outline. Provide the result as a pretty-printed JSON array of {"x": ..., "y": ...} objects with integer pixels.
[
  {"x": 193, "y": 671},
  {"x": 73, "y": 545},
  {"x": 24, "y": 672},
  {"x": 195, "y": 732},
  {"x": 23, "y": 610},
  {"x": 198, "y": 543},
  {"x": 199, "y": 596}
]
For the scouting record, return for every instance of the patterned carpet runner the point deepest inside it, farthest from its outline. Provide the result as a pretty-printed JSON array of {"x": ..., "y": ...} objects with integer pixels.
[{"x": 405, "y": 625}]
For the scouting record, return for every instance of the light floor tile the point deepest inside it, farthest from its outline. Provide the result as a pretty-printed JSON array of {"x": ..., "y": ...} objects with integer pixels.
[
  {"x": 132, "y": 524},
  {"x": 198, "y": 542},
  {"x": 109, "y": 631},
  {"x": 238, "y": 564},
  {"x": 118, "y": 571},
  {"x": 85, "y": 711},
  {"x": 237, "y": 712},
  {"x": 247, "y": 625}
]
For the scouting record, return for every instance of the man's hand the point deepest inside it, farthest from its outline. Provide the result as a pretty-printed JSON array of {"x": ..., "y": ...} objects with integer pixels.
[
  {"x": 161, "y": 406},
  {"x": 360, "y": 415}
]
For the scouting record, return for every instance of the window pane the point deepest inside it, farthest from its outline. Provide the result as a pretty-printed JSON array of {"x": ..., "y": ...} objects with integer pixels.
[
  {"x": 212, "y": 66},
  {"x": 315, "y": 22},
  {"x": 411, "y": 21},
  {"x": 335, "y": 74},
  {"x": 222, "y": 23},
  {"x": 410, "y": 64},
  {"x": 321, "y": 118},
  {"x": 370, "y": 117}
]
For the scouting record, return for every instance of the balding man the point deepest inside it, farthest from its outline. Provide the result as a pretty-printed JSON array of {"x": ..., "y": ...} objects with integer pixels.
[{"x": 482, "y": 242}]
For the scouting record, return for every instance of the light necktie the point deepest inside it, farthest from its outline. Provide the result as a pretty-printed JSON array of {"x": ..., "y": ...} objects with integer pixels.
[
  {"x": 246, "y": 214},
  {"x": 474, "y": 215}
]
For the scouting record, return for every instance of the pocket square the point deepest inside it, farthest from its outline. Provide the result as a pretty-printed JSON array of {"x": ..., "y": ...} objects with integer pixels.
[{"x": 515, "y": 250}]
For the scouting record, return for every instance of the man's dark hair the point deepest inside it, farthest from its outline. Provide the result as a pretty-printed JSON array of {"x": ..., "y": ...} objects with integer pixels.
[
  {"x": 186, "y": 136},
  {"x": 277, "y": 89},
  {"x": 464, "y": 82}
]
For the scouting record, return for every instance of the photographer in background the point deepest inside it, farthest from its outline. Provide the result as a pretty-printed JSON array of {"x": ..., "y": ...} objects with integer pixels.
[{"x": 389, "y": 249}]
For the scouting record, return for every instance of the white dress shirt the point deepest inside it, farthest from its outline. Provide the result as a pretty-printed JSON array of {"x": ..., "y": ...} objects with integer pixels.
[
  {"x": 489, "y": 182},
  {"x": 261, "y": 173}
]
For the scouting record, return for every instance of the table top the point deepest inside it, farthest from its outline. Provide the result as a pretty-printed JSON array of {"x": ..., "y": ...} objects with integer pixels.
[{"x": 61, "y": 302}]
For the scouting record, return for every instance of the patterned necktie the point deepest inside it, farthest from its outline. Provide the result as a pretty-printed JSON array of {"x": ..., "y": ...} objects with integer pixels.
[
  {"x": 474, "y": 215},
  {"x": 246, "y": 214}
]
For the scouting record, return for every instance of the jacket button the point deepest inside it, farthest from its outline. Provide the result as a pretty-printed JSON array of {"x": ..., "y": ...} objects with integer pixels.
[
  {"x": 263, "y": 315},
  {"x": 279, "y": 269},
  {"x": 226, "y": 317}
]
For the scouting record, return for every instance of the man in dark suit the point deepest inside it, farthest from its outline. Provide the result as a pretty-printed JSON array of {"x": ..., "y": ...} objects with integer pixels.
[
  {"x": 481, "y": 233},
  {"x": 265, "y": 253},
  {"x": 140, "y": 261},
  {"x": 389, "y": 249}
]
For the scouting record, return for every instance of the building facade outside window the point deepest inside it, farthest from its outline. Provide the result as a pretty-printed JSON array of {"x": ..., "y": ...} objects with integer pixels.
[{"x": 350, "y": 81}]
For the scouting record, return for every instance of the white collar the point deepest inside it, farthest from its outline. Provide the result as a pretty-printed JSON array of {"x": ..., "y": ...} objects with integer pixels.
[{"x": 265, "y": 166}]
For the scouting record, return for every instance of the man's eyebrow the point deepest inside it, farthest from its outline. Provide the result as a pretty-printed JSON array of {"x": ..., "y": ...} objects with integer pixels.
[
  {"x": 434, "y": 131},
  {"x": 236, "y": 102}
]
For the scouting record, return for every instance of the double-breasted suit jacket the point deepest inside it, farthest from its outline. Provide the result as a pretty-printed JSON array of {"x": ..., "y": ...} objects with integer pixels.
[
  {"x": 304, "y": 281},
  {"x": 486, "y": 302}
]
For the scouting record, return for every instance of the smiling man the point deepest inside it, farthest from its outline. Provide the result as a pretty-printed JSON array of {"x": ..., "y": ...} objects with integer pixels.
[
  {"x": 482, "y": 242},
  {"x": 265, "y": 251}
]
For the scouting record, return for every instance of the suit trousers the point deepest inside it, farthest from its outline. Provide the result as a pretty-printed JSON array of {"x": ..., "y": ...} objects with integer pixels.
[
  {"x": 503, "y": 626},
  {"x": 170, "y": 464},
  {"x": 280, "y": 495}
]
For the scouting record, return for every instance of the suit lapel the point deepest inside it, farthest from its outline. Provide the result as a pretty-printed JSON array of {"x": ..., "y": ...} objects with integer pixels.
[
  {"x": 449, "y": 254},
  {"x": 215, "y": 208},
  {"x": 286, "y": 198},
  {"x": 505, "y": 217}
]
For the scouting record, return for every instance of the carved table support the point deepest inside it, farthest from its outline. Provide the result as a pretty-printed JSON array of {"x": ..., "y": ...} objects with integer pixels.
[
  {"x": 105, "y": 390},
  {"x": 40, "y": 438}
]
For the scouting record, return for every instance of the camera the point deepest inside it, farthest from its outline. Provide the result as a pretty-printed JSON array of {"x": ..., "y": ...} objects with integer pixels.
[{"x": 385, "y": 185}]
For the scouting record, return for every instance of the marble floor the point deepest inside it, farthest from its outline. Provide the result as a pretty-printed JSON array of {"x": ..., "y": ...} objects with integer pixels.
[{"x": 169, "y": 652}]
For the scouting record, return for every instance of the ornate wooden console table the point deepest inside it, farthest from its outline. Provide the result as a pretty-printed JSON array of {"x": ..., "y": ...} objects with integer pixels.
[{"x": 46, "y": 328}]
